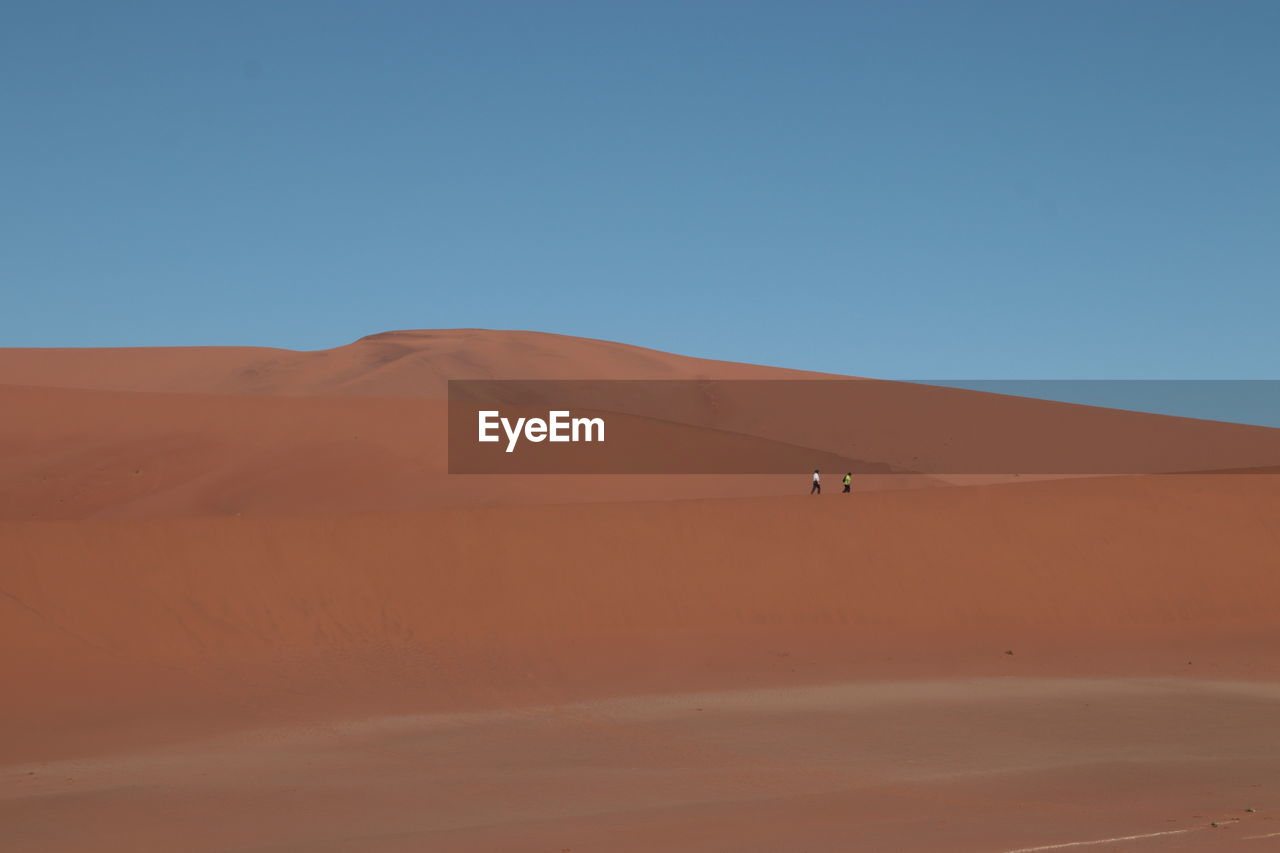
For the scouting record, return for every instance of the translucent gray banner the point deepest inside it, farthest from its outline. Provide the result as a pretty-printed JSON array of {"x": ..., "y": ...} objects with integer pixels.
[{"x": 860, "y": 425}]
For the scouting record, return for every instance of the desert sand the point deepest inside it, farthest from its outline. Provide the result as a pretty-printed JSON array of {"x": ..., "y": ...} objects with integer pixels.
[{"x": 245, "y": 608}]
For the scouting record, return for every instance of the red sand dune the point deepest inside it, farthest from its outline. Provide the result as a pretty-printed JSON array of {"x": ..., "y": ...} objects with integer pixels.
[
  {"x": 470, "y": 607},
  {"x": 68, "y": 454},
  {"x": 411, "y": 363},
  {"x": 331, "y": 650},
  {"x": 136, "y": 433},
  {"x": 133, "y": 433}
]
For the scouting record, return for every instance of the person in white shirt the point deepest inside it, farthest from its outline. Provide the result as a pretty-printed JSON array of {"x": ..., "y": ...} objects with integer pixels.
[{"x": 817, "y": 483}]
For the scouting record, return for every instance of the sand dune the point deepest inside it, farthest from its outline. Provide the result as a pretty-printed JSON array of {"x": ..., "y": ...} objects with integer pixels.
[
  {"x": 107, "y": 433},
  {"x": 442, "y": 679},
  {"x": 186, "y": 431},
  {"x": 411, "y": 363},
  {"x": 359, "y": 613},
  {"x": 73, "y": 454},
  {"x": 244, "y": 607}
]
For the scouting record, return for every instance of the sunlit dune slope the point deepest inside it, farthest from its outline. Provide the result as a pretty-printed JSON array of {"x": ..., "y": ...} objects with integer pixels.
[{"x": 118, "y": 626}]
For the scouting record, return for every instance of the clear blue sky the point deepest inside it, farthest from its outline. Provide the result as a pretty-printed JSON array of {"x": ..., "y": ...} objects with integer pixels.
[{"x": 898, "y": 189}]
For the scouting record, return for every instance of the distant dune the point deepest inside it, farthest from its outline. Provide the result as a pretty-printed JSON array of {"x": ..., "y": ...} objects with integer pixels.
[
  {"x": 223, "y": 564},
  {"x": 393, "y": 364},
  {"x": 129, "y": 433},
  {"x": 137, "y": 433}
]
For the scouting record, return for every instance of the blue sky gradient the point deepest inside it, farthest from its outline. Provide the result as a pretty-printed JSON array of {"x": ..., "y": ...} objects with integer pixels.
[{"x": 991, "y": 189}]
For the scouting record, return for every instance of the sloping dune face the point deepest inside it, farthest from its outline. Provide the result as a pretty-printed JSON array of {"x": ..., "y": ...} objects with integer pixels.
[
  {"x": 121, "y": 621},
  {"x": 199, "y": 431},
  {"x": 243, "y": 606},
  {"x": 193, "y": 431},
  {"x": 1011, "y": 667}
]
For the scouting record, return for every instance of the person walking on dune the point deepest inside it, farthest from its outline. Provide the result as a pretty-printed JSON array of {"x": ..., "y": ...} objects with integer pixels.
[
  {"x": 816, "y": 488},
  {"x": 848, "y": 481}
]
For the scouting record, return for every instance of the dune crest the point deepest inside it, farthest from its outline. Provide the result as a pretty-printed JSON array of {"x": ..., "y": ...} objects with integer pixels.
[{"x": 409, "y": 363}]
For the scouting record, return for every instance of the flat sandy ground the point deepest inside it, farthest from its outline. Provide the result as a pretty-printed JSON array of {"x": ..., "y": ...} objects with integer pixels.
[{"x": 995, "y": 764}]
